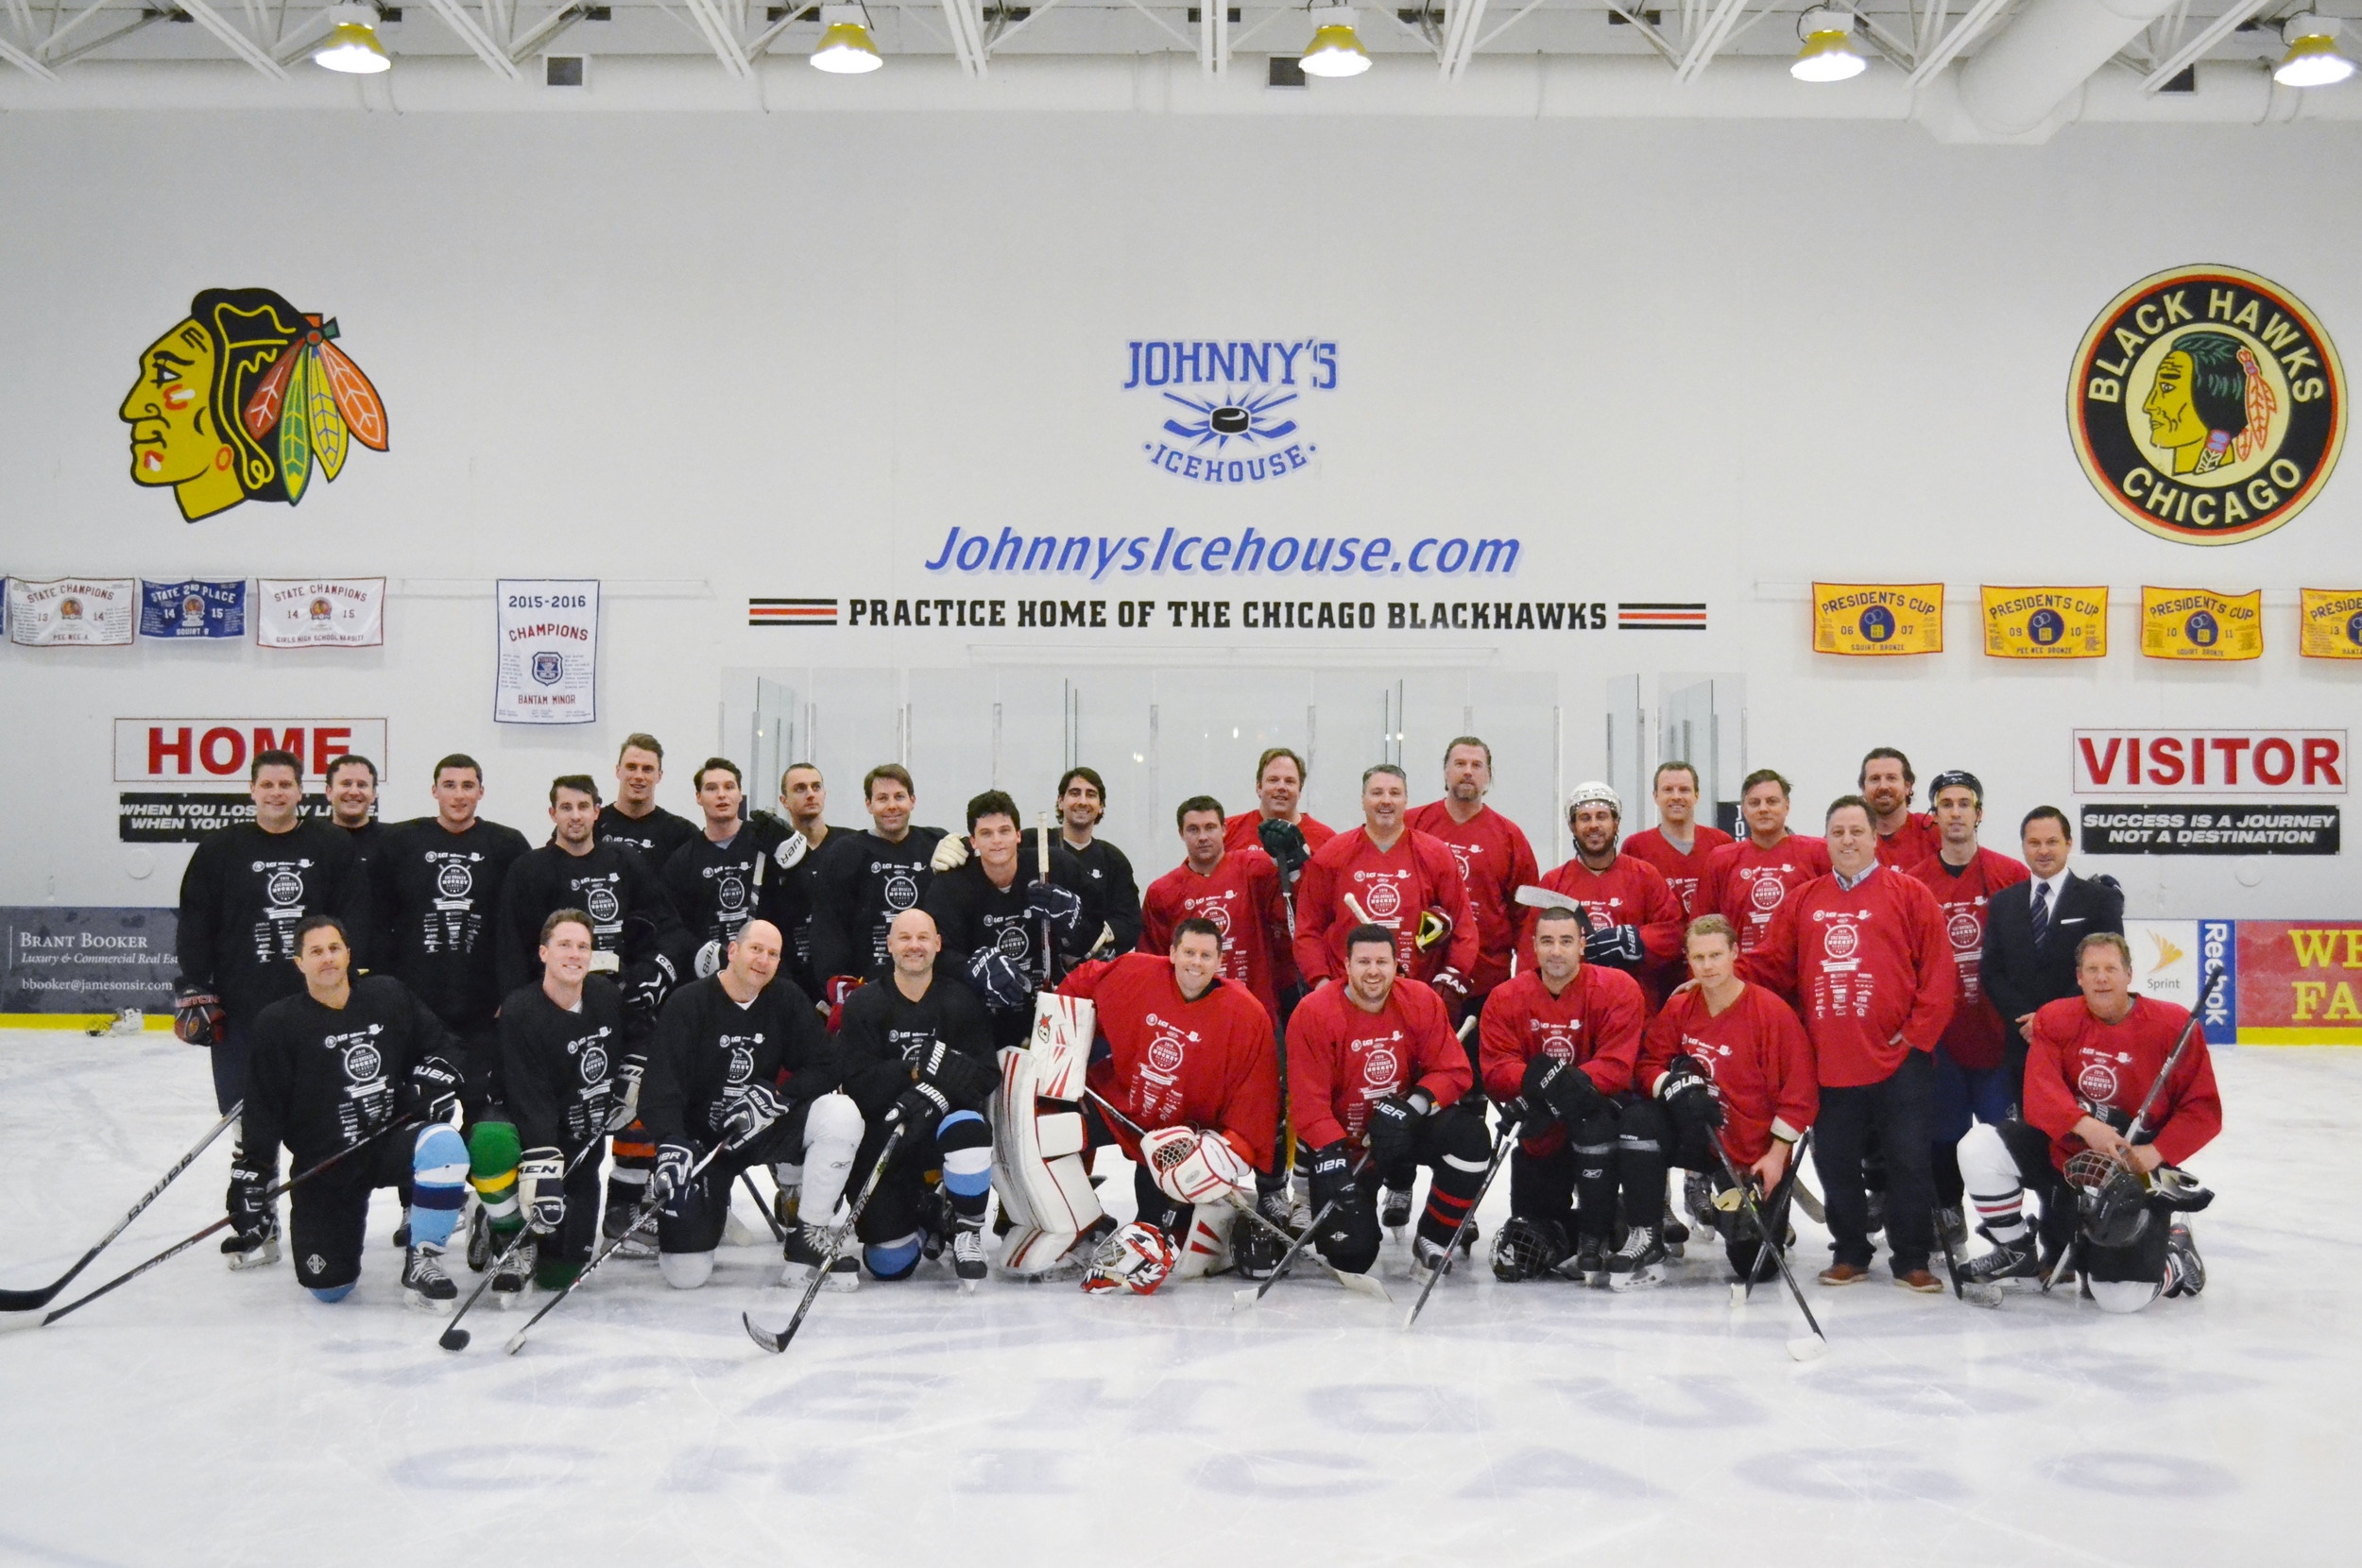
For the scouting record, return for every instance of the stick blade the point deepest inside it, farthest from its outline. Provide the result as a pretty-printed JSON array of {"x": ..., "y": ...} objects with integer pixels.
[
  {"x": 454, "y": 1337},
  {"x": 761, "y": 1335},
  {"x": 1807, "y": 1347},
  {"x": 1242, "y": 1300},
  {"x": 29, "y": 1301},
  {"x": 516, "y": 1342},
  {"x": 1364, "y": 1284}
]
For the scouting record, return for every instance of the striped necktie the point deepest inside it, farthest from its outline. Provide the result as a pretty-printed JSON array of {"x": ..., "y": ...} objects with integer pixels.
[{"x": 2042, "y": 911}]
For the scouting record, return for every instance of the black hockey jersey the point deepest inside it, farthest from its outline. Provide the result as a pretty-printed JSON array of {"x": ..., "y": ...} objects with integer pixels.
[
  {"x": 630, "y": 915},
  {"x": 321, "y": 1079},
  {"x": 1111, "y": 895},
  {"x": 242, "y": 896},
  {"x": 973, "y": 915},
  {"x": 707, "y": 1046},
  {"x": 885, "y": 1036},
  {"x": 656, "y": 836},
  {"x": 557, "y": 1066},
  {"x": 438, "y": 907},
  {"x": 716, "y": 888},
  {"x": 862, "y": 884}
]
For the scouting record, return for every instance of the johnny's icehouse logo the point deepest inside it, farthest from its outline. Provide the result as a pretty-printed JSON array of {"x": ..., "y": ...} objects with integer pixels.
[
  {"x": 1232, "y": 411},
  {"x": 2208, "y": 405}
]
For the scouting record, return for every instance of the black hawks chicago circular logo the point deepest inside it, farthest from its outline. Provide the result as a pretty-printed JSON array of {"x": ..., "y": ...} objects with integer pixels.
[{"x": 2207, "y": 405}]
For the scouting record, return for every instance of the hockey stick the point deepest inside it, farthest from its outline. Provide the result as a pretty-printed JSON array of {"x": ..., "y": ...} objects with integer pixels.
[
  {"x": 2148, "y": 1102},
  {"x": 1791, "y": 1183},
  {"x": 27, "y": 1300},
  {"x": 1799, "y": 1349},
  {"x": 456, "y": 1338},
  {"x": 1250, "y": 1297},
  {"x": 778, "y": 1343},
  {"x": 1452, "y": 1248},
  {"x": 778, "y": 1232},
  {"x": 269, "y": 1195},
  {"x": 646, "y": 1217}
]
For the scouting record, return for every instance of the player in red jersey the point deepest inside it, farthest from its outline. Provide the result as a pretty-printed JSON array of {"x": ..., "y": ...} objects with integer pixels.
[
  {"x": 1635, "y": 918},
  {"x": 1972, "y": 1071},
  {"x": 1236, "y": 889},
  {"x": 1864, "y": 951},
  {"x": 2093, "y": 1060},
  {"x": 1387, "y": 872},
  {"x": 1747, "y": 883},
  {"x": 1372, "y": 1062},
  {"x": 1494, "y": 857},
  {"x": 1723, "y": 1062},
  {"x": 1278, "y": 797},
  {"x": 1680, "y": 846},
  {"x": 1904, "y": 836},
  {"x": 1558, "y": 1043},
  {"x": 1191, "y": 1060}
]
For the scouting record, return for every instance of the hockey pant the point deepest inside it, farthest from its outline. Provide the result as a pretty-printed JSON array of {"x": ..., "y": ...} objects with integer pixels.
[
  {"x": 1891, "y": 1115},
  {"x": 1651, "y": 1142},
  {"x": 817, "y": 1134},
  {"x": 2001, "y": 1163},
  {"x": 1962, "y": 1096},
  {"x": 956, "y": 1158},
  {"x": 328, "y": 1216},
  {"x": 1454, "y": 1146},
  {"x": 1570, "y": 1177}
]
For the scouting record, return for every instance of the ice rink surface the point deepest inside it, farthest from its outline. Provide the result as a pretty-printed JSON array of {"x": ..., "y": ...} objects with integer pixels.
[{"x": 198, "y": 1417}]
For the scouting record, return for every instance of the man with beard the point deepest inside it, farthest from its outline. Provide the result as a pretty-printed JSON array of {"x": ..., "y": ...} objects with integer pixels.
[{"x": 1635, "y": 920}]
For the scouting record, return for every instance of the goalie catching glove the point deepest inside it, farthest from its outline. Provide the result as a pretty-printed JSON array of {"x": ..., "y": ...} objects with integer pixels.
[{"x": 1191, "y": 1166}]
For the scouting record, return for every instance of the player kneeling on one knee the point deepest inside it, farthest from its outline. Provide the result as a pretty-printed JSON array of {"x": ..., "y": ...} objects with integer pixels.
[
  {"x": 349, "y": 1064},
  {"x": 2091, "y": 1064},
  {"x": 918, "y": 1060},
  {"x": 1555, "y": 1043},
  {"x": 1372, "y": 1066},
  {"x": 1729, "y": 1074},
  {"x": 742, "y": 1068}
]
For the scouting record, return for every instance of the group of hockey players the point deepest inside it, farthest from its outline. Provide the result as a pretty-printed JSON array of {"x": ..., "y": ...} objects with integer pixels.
[{"x": 603, "y": 1036}]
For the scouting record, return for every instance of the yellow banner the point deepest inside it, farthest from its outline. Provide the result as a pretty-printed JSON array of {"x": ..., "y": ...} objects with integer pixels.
[
  {"x": 1864, "y": 619},
  {"x": 2194, "y": 623},
  {"x": 2332, "y": 619},
  {"x": 2046, "y": 623}
]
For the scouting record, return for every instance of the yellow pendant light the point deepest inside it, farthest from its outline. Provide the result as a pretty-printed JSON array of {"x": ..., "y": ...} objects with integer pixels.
[
  {"x": 1336, "y": 49},
  {"x": 845, "y": 49},
  {"x": 352, "y": 44}
]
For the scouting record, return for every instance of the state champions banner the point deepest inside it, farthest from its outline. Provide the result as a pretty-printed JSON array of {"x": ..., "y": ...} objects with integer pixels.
[
  {"x": 73, "y": 612},
  {"x": 2046, "y": 623},
  {"x": 319, "y": 612},
  {"x": 2331, "y": 623},
  {"x": 2198, "y": 623},
  {"x": 546, "y": 669},
  {"x": 1867, "y": 620}
]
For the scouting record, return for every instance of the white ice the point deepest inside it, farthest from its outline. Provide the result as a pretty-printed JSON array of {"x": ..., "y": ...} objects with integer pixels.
[{"x": 202, "y": 1417}]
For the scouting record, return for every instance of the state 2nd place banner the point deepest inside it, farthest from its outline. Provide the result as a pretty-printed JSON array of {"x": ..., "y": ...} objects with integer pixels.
[{"x": 547, "y": 669}]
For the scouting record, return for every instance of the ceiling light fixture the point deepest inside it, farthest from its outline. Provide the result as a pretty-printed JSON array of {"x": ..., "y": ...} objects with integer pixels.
[
  {"x": 2312, "y": 59},
  {"x": 845, "y": 46},
  {"x": 1828, "y": 54},
  {"x": 1335, "y": 49},
  {"x": 352, "y": 44}
]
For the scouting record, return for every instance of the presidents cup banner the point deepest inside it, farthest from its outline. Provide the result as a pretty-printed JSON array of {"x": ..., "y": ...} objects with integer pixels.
[
  {"x": 2198, "y": 623},
  {"x": 2046, "y": 623},
  {"x": 1871, "y": 619},
  {"x": 320, "y": 612},
  {"x": 2331, "y": 623},
  {"x": 548, "y": 668},
  {"x": 73, "y": 612}
]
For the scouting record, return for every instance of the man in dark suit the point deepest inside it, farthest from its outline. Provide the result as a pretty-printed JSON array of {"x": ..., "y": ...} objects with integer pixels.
[{"x": 2031, "y": 930}]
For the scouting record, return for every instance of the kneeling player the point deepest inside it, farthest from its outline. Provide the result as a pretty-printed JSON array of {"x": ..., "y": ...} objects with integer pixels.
[
  {"x": 918, "y": 1055},
  {"x": 741, "y": 1067},
  {"x": 1557, "y": 1042},
  {"x": 1730, "y": 1081},
  {"x": 2092, "y": 1061},
  {"x": 331, "y": 1070},
  {"x": 1190, "y": 1059},
  {"x": 1373, "y": 1064}
]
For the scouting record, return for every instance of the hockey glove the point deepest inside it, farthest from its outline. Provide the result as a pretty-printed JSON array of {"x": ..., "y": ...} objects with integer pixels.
[
  {"x": 710, "y": 956},
  {"x": 1434, "y": 929},
  {"x": 1450, "y": 985},
  {"x": 791, "y": 851},
  {"x": 746, "y": 1113},
  {"x": 1283, "y": 842},
  {"x": 1061, "y": 907},
  {"x": 1192, "y": 1166},
  {"x": 643, "y": 993},
  {"x": 1395, "y": 1128},
  {"x": 625, "y": 1108},
  {"x": 995, "y": 978},
  {"x": 198, "y": 1017},
  {"x": 431, "y": 1090},
  {"x": 1618, "y": 947},
  {"x": 950, "y": 854},
  {"x": 249, "y": 1209},
  {"x": 965, "y": 1080},
  {"x": 674, "y": 1162},
  {"x": 1331, "y": 1175},
  {"x": 541, "y": 1189},
  {"x": 1567, "y": 1090},
  {"x": 921, "y": 1106},
  {"x": 1688, "y": 1096}
]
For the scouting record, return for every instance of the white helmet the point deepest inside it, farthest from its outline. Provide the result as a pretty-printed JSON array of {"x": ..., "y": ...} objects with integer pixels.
[{"x": 1596, "y": 790}]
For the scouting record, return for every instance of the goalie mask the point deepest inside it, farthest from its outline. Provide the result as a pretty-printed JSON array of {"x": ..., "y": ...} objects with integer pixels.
[{"x": 2111, "y": 1198}]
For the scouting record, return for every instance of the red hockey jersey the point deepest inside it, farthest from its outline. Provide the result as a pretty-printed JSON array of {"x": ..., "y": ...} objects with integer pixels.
[
  {"x": 1341, "y": 1061},
  {"x": 2077, "y": 1067},
  {"x": 1244, "y": 831},
  {"x": 1210, "y": 1063},
  {"x": 1911, "y": 843},
  {"x": 1392, "y": 886},
  {"x": 1494, "y": 861},
  {"x": 1758, "y": 1057},
  {"x": 1683, "y": 873},
  {"x": 1870, "y": 969},
  {"x": 1595, "y": 1022},
  {"x": 1975, "y": 1035},
  {"x": 1241, "y": 896},
  {"x": 1629, "y": 893},
  {"x": 1746, "y": 883}
]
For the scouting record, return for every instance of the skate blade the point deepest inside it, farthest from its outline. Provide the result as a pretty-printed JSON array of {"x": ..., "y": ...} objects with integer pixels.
[
  {"x": 1639, "y": 1279},
  {"x": 428, "y": 1303}
]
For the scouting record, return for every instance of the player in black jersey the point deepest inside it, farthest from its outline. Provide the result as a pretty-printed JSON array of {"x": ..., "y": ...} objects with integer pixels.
[
  {"x": 352, "y": 804},
  {"x": 726, "y": 875},
  {"x": 868, "y": 878},
  {"x": 1111, "y": 895},
  {"x": 990, "y": 911},
  {"x": 246, "y": 890},
  {"x": 333, "y": 1066},
  {"x": 740, "y": 1065},
  {"x": 918, "y": 1049},
  {"x": 437, "y": 882},
  {"x": 803, "y": 811},
  {"x": 635, "y": 819}
]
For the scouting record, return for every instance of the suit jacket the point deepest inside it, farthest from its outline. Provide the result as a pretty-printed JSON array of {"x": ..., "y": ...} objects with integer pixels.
[{"x": 2019, "y": 975}]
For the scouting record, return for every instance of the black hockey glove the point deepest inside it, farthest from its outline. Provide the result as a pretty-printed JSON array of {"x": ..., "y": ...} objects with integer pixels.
[
  {"x": 1567, "y": 1090},
  {"x": 623, "y": 1107},
  {"x": 1284, "y": 842},
  {"x": 746, "y": 1113},
  {"x": 1062, "y": 907},
  {"x": 249, "y": 1209},
  {"x": 1331, "y": 1175},
  {"x": 541, "y": 1189},
  {"x": 995, "y": 979},
  {"x": 198, "y": 1017},
  {"x": 1395, "y": 1128},
  {"x": 1688, "y": 1096},
  {"x": 674, "y": 1162},
  {"x": 966, "y": 1080},
  {"x": 920, "y": 1108},
  {"x": 645, "y": 990},
  {"x": 431, "y": 1090},
  {"x": 1618, "y": 947}
]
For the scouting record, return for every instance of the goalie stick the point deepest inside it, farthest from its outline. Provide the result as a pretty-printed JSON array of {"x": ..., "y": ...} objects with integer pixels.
[
  {"x": 1452, "y": 1248},
  {"x": 778, "y": 1343},
  {"x": 29, "y": 1301},
  {"x": 455, "y": 1338},
  {"x": 640, "y": 1223}
]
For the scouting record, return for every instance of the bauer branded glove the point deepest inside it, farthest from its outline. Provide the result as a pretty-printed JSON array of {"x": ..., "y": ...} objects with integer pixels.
[
  {"x": 625, "y": 1108},
  {"x": 1618, "y": 947},
  {"x": 432, "y": 1088},
  {"x": 1567, "y": 1090},
  {"x": 248, "y": 1208},
  {"x": 1394, "y": 1127},
  {"x": 746, "y": 1113},
  {"x": 674, "y": 1162},
  {"x": 995, "y": 979},
  {"x": 1688, "y": 1095},
  {"x": 1283, "y": 841}
]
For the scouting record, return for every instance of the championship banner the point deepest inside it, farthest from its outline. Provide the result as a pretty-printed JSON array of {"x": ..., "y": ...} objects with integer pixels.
[
  {"x": 71, "y": 612},
  {"x": 2195, "y": 623},
  {"x": 1868, "y": 619},
  {"x": 2046, "y": 623},
  {"x": 198, "y": 607},
  {"x": 2331, "y": 623},
  {"x": 320, "y": 612},
  {"x": 548, "y": 661}
]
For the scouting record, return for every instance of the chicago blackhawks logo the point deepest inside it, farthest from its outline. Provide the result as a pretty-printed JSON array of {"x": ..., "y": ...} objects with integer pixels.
[{"x": 2207, "y": 405}]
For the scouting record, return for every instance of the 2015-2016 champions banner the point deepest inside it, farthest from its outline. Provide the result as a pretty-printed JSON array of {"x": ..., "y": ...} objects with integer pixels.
[{"x": 547, "y": 668}]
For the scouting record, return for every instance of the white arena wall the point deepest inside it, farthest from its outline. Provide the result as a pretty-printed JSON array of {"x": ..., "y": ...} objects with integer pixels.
[{"x": 704, "y": 357}]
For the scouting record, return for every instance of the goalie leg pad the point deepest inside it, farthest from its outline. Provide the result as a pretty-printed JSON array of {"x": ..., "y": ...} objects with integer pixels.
[
  {"x": 1205, "y": 1249},
  {"x": 1063, "y": 1030},
  {"x": 1192, "y": 1166},
  {"x": 1039, "y": 1154}
]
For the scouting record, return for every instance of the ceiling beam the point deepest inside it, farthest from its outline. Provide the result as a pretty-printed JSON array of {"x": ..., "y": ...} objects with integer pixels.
[
  {"x": 240, "y": 46},
  {"x": 478, "y": 41}
]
